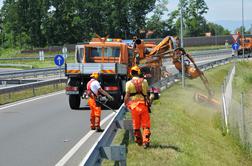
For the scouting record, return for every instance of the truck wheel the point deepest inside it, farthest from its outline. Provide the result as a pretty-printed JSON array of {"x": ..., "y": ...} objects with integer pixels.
[{"x": 74, "y": 101}]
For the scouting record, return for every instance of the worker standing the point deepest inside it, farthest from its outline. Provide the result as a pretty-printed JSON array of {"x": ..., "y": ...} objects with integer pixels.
[
  {"x": 136, "y": 99},
  {"x": 93, "y": 91}
]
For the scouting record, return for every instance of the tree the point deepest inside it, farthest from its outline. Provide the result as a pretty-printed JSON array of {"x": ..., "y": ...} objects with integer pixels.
[
  {"x": 54, "y": 22},
  {"x": 216, "y": 29},
  {"x": 155, "y": 24}
]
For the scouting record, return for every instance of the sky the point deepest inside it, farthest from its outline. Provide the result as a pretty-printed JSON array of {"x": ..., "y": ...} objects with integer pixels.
[
  {"x": 223, "y": 9},
  {"x": 227, "y": 13}
]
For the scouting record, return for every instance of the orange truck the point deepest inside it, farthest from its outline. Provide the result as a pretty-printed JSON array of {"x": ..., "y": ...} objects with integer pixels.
[
  {"x": 246, "y": 44},
  {"x": 112, "y": 58}
]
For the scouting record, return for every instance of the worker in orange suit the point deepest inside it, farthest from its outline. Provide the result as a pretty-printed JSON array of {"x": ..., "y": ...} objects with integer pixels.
[
  {"x": 136, "y": 99},
  {"x": 93, "y": 91}
]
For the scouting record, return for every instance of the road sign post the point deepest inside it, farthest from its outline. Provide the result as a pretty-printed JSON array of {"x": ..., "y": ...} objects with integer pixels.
[
  {"x": 41, "y": 55},
  {"x": 59, "y": 61},
  {"x": 64, "y": 52}
]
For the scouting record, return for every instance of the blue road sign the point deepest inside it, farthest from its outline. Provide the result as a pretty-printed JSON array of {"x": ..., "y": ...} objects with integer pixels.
[
  {"x": 235, "y": 46},
  {"x": 59, "y": 60}
]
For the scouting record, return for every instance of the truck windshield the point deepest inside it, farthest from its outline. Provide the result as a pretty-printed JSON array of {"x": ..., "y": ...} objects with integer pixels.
[
  {"x": 97, "y": 51},
  {"x": 111, "y": 51}
]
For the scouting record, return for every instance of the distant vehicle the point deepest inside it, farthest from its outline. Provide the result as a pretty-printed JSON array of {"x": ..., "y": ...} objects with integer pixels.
[{"x": 246, "y": 44}]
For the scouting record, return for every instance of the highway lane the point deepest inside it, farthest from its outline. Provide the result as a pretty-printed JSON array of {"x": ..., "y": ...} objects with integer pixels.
[{"x": 42, "y": 131}]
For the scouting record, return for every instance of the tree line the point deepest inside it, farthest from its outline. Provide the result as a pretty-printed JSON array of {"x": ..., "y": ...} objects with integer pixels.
[{"x": 39, "y": 23}]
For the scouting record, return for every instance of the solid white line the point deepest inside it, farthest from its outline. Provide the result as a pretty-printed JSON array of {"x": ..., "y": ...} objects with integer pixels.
[
  {"x": 32, "y": 99},
  {"x": 77, "y": 146}
]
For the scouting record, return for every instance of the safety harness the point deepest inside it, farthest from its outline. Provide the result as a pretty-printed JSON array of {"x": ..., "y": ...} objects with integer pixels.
[
  {"x": 90, "y": 93},
  {"x": 138, "y": 86}
]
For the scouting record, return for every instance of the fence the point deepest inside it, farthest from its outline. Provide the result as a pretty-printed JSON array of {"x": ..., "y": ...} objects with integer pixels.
[{"x": 237, "y": 111}]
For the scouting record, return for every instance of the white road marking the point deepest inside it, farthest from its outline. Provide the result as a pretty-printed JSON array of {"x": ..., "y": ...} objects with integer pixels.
[
  {"x": 32, "y": 99},
  {"x": 77, "y": 146}
]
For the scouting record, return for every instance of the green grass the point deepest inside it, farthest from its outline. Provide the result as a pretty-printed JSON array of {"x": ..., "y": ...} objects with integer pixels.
[{"x": 186, "y": 133}]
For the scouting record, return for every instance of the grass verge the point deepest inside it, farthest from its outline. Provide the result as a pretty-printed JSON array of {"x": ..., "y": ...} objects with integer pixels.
[{"x": 186, "y": 133}]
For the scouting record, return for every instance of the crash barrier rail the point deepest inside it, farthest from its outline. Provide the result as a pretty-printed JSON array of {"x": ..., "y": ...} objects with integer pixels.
[
  {"x": 16, "y": 65},
  {"x": 31, "y": 73},
  {"x": 237, "y": 111},
  {"x": 103, "y": 148},
  {"x": 29, "y": 58},
  {"x": 211, "y": 52},
  {"x": 33, "y": 86}
]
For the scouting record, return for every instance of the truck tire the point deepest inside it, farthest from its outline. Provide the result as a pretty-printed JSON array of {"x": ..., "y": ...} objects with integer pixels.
[{"x": 74, "y": 101}]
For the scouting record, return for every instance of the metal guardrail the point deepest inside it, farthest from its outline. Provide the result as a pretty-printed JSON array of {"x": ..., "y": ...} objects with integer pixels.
[
  {"x": 29, "y": 58},
  {"x": 33, "y": 85},
  {"x": 211, "y": 52},
  {"x": 16, "y": 65},
  {"x": 103, "y": 148},
  {"x": 32, "y": 72}
]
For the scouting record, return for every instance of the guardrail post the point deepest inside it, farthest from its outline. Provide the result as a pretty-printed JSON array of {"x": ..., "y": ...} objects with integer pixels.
[
  {"x": 127, "y": 125},
  {"x": 33, "y": 90},
  {"x": 116, "y": 153}
]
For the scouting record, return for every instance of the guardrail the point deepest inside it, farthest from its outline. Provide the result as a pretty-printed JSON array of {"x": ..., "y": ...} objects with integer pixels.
[
  {"x": 16, "y": 65},
  {"x": 32, "y": 72},
  {"x": 103, "y": 148},
  {"x": 33, "y": 86},
  {"x": 30, "y": 58}
]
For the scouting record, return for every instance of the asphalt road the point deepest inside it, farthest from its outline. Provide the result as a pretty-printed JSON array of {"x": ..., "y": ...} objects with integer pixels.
[{"x": 42, "y": 131}]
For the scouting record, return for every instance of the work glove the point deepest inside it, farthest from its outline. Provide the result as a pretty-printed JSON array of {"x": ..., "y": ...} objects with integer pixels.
[{"x": 110, "y": 98}]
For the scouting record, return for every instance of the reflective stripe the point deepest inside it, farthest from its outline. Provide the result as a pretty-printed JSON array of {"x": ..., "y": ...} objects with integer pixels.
[
  {"x": 108, "y": 71},
  {"x": 111, "y": 88},
  {"x": 73, "y": 71}
]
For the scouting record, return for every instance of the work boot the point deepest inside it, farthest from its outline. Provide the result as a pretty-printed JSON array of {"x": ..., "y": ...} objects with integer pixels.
[
  {"x": 99, "y": 129},
  {"x": 146, "y": 145},
  {"x": 138, "y": 137},
  {"x": 92, "y": 128},
  {"x": 97, "y": 124}
]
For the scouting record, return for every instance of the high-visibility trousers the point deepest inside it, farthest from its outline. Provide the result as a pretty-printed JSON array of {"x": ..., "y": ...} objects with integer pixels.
[
  {"x": 95, "y": 113},
  {"x": 140, "y": 118}
]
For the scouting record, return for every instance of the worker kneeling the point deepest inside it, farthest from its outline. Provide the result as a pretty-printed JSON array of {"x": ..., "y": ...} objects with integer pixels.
[
  {"x": 137, "y": 101},
  {"x": 94, "y": 90}
]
